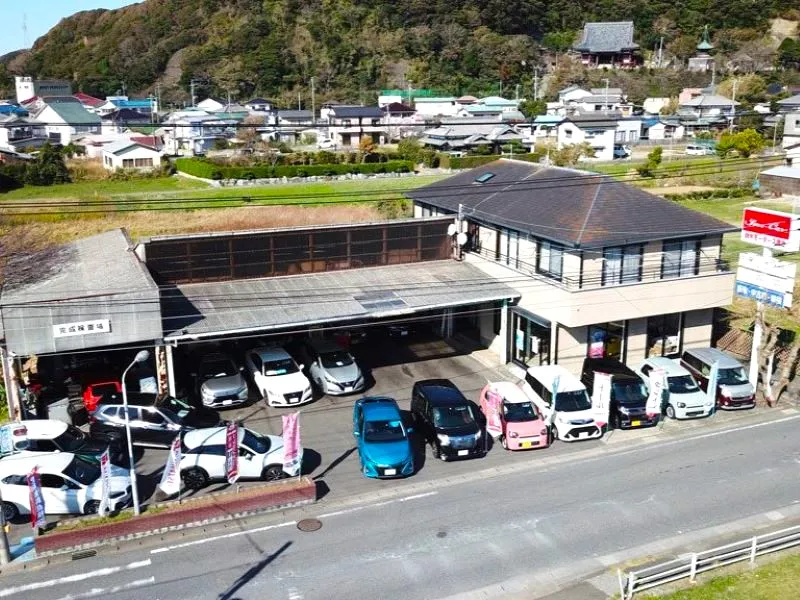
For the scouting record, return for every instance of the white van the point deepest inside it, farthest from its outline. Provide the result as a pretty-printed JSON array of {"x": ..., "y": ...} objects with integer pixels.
[
  {"x": 685, "y": 399},
  {"x": 696, "y": 150},
  {"x": 571, "y": 413}
]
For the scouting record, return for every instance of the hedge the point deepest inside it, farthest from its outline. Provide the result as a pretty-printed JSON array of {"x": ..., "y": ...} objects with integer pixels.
[
  {"x": 470, "y": 162},
  {"x": 209, "y": 170},
  {"x": 717, "y": 194}
]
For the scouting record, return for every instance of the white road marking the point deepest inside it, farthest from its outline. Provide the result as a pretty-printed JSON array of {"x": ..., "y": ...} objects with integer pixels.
[
  {"x": 345, "y": 511},
  {"x": 221, "y": 537},
  {"x": 774, "y": 515},
  {"x": 108, "y": 591},
  {"x": 295, "y": 594},
  {"x": 73, "y": 578}
]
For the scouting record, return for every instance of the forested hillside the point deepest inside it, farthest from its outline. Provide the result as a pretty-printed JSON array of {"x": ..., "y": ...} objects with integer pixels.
[{"x": 353, "y": 47}]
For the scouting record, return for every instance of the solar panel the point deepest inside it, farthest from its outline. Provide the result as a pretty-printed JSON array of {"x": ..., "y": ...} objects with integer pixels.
[{"x": 379, "y": 301}]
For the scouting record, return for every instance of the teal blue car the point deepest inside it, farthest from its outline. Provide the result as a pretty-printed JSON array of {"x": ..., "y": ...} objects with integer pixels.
[{"x": 382, "y": 438}]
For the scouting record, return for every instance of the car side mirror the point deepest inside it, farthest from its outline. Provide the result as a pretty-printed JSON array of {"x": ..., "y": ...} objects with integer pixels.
[
  {"x": 241, "y": 369},
  {"x": 356, "y": 434},
  {"x": 410, "y": 430}
]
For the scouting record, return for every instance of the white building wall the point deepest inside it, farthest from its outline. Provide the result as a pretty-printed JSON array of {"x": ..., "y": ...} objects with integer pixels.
[
  {"x": 444, "y": 108},
  {"x": 117, "y": 161}
]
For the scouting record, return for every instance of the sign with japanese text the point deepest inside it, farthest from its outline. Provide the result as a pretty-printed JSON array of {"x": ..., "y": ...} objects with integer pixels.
[
  {"x": 601, "y": 398},
  {"x": 771, "y": 228},
  {"x": 232, "y": 451},
  {"x": 105, "y": 477},
  {"x": 292, "y": 456},
  {"x": 171, "y": 479},
  {"x": 36, "y": 499},
  {"x": 658, "y": 380},
  {"x": 82, "y": 328},
  {"x": 765, "y": 279}
]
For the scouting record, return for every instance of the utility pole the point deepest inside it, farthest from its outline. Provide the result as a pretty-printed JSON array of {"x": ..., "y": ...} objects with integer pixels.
[
  {"x": 661, "y": 52},
  {"x": 606, "y": 104},
  {"x": 192, "y": 85},
  {"x": 535, "y": 83},
  {"x": 313, "y": 104},
  {"x": 298, "y": 101},
  {"x": 733, "y": 104},
  {"x": 516, "y": 92}
]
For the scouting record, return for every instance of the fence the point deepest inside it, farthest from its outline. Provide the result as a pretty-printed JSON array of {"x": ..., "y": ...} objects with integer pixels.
[{"x": 689, "y": 566}]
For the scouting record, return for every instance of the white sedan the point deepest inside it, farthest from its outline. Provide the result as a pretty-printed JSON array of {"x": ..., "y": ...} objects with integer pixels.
[
  {"x": 203, "y": 456},
  {"x": 278, "y": 377},
  {"x": 70, "y": 485}
]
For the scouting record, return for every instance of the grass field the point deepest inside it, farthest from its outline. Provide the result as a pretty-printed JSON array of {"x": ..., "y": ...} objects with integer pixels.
[
  {"x": 89, "y": 190},
  {"x": 779, "y": 580}
]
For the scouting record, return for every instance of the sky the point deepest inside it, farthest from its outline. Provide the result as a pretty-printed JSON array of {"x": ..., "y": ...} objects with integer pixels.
[{"x": 41, "y": 16}]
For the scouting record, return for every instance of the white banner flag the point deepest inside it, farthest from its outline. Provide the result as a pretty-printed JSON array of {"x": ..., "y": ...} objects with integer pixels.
[
  {"x": 601, "y": 398},
  {"x": 105, "y": 477},
  {"x": 171, "y": 479},
  {"x": 658, "y": 383}
]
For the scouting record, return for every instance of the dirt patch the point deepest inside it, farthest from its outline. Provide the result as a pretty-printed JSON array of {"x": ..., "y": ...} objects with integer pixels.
[
  {"x": 782, "y": 28},
  {"x": 680, "y": 189}
]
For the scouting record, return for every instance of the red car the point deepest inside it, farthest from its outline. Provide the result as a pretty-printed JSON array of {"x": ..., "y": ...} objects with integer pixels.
[{"x": 96, "y": 391}]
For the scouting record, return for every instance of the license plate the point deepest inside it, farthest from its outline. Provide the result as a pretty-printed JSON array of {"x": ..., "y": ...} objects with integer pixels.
[
  {"x": 525, "y": 444},
  {"x": 635, "y": 423},
  {"x": 294, "y": 400},
  {"x": 390, "y": 472},
  {"x": 227, "y": 402},
  {"x": 348, "y": 389},
  {"x": 463, "y": 452}
]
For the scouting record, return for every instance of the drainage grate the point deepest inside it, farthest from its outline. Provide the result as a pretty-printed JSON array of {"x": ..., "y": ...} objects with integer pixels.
[
  {"x": 309, "y": 525},
  {"x": 84, "y": 554}
]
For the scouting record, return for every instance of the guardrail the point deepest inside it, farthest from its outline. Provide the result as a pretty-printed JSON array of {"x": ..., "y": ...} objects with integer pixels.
[{"x": 690, "y": 565}]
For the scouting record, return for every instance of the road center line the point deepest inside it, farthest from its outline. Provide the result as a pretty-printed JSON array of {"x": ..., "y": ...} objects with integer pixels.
[
  {"x": 374, "y": 505},
  {"x": 109, "y": 591},
  {"x": 221, "y": 537},
  {"x": 73, "y": 578}
]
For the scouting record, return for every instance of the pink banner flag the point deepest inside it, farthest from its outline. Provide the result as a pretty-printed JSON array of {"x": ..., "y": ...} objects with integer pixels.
[
  {"x": 105, "y": 476},
  {"x": 292, "y": 456},
  {"x": 36, "y": 499},
  {"x": 494, "y": 404},
  {"x": 232, "y": 452},
  {"x": 170, "y": 479}
]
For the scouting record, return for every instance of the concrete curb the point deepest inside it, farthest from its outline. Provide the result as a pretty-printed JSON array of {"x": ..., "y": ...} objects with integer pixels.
[{"x": 222, "y": 506}]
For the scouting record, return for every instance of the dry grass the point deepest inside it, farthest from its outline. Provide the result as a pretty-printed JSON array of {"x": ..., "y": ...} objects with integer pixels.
[{"x": 148, "y": 223}]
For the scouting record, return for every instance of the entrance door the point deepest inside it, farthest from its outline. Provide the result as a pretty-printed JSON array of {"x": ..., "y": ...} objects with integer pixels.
[{"x": 531, "y": 342}]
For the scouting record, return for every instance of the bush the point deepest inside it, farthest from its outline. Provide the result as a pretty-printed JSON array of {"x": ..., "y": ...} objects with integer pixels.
[
  {"x": 470, "y": 162},
  {"x": 208, "y": 170}
]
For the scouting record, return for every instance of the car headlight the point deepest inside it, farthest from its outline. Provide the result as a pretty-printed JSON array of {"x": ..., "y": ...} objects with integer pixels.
[
  {"x": 478, "y": 434},
  {"x": 624, "y": 410},
  {"x": 562, "y": 419},
  {"x": 513, "y": 434},
  {"x": 330, "y": 379},
  {"x": 307, "y": 391},
  {"x": 709, "y": 403},
  {"x": 725, "y": 393},
  {"x": 681, "y": 405},
  {"x": 242, "y": 395},
  {"x": 206, "y": 393},
  {"x": 273, "y": 394},
  {"x": 444, "y": 440}
]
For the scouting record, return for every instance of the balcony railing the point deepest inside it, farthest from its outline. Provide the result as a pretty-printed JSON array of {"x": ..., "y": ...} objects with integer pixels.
[{"x": 574, "y": 282}]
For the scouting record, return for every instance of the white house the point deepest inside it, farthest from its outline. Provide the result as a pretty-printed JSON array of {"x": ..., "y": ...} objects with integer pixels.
[
  {"x": 599, "y": 133},
  {"x": 663, "y": 129},
  {"x": 708, "y": 106},
  {"x": 211, "y": 105},
  {"x": 20, "y": 131},
  {"x": 128, "y": 154},
  {"x": 628, "y": 131},
  {"x": 348, "y": 125},
  {"x": 654, "y": 106},
  {"x": 65, "y": 119},
  {"x": 436, "y": 107},
  {"x": 260, "y": 105}
]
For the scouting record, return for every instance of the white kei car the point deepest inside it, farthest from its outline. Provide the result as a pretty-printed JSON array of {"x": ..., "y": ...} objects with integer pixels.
[
  {"x": 203, "y": 456},
  {"x": 278, "y": 377},
  {"x": 70, "y": 485},
  {"x": 685, "y": 399}
]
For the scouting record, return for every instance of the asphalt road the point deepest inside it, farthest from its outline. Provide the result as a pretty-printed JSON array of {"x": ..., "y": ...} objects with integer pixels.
[{"x": 539, "y": 524}]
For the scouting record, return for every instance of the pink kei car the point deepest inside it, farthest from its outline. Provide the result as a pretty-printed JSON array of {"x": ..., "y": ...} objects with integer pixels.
[{"x": 512, "y": 417}]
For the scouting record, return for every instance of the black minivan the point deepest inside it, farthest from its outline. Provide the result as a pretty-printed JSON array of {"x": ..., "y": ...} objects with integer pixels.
[
  {"x": 628, "y": 393},
  {"x": 446, "y": 420}
]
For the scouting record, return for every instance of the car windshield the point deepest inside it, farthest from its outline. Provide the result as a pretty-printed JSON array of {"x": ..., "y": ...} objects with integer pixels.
[
  {"x": 257, "y": 443},
  {"x": 519, "y": 412},
  {"x": 682, "y": 384},
  {"x": 71, "y": 440},
  {"x": 282, "y": 366},
  {"x": 628, "y": 391},
  {"x": 82, "y": 471},
  {"x": 219, "y": 367},
  {"x": 384, "y": 431},
  {"x": 337, "y": 358},
  {"x": 735, "y": 376},
  {"x": 174, "y": 406},
  {"x": 572, "y": 401},
  {"x": 448, "y": 417}
]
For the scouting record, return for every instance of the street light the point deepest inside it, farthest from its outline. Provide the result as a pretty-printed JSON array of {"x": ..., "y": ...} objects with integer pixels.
[{"x": 140, "y": 357}]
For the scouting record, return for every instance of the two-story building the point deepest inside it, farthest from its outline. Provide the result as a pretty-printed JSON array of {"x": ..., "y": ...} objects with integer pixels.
[
  {"x": 348, "y": 125},
  {"x": 608, "y": 45},
  {"x": 602, "y": 268},
  {"x": 64, "y": 118},
  {"x": 708, "y": 105},
  {"x": 19, "y": 131},
  {"x": 602, "y": 133}
]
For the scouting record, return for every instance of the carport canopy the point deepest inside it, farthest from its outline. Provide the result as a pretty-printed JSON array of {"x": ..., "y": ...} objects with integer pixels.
[{"x": 203, "y": 310}]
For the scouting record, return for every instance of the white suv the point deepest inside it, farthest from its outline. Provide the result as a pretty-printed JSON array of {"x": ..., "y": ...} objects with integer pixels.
[
  {"x": 685, "y": 399},
  {"x": 278, "y": 377},
  {"x": 70, "y": 485},
  {"x": 571, "y": 414},
  {"x": 203, "y": 456}
]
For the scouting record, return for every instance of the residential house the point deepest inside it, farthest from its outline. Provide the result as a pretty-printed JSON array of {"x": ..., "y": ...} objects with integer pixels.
[
  {"x": 400, "y": 119},
  {"x": 608, "y": 45},
  {"x": 572, "y": 93},
  {"x": 462, "y": 135},
  {"x": 193, "y": 131},
  {"x": 708, "y": 105},
  {"x": 789, "y": 105},
  {"x": 543, "y": 129},
  {"x": 129, "y": 154},
  {"x": 211, "y": 105},
  {"x": 146, "y": 106},
  {"x": 791, "y": 130},
  {"x": 662, "y": 129},
  {"x": 288, "y": 125},
  {"x": 780, "y": 181},
  {"x": 28, "y": 87},
  {"x": 599, "y": 133},
  {"x": 90, "y": 103},
  {"x": 654, "y": 106},
  {"x": 596, "y": 100},
  {"x": 123, "y": 119},
  {"x": 260, "y": 105},
  {"x": 436, "y": 107},
  {"x": 19, "y": 131},
  {"x": 603, "y": 268},
  {"x": 65, "y": 118},
  {"x": 349, "y": 125}
]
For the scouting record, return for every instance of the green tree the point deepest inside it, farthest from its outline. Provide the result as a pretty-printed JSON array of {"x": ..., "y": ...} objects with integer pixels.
[
  {"x": 409, "y": 149},
  {"x": 558, "y": 41},
  {"x": 570, "y": 155},
  {"x": 49, "y": 167},
  {"x": 531, "y": 108},
  {"x": 748, "y": 142},
  {"x": 653, "y": 162},
  {"x": 725, "y": 145}
]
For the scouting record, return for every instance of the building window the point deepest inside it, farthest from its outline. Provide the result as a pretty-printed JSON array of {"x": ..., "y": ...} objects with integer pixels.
[
  {"x": 680, "y": 259},
  {"x": 127, "y": 163},
  {"x": 551, "y": 260},
  {"x": 346, "y": 122},
  {"x": 664, "y": 335},
  {"x": 622, "y": 264},
  {"x": 606, "y": 340},
  {"x": 568, "y": 133},
  {"x": 531, "y": 343},
  {"x": 143, "y": 162}
]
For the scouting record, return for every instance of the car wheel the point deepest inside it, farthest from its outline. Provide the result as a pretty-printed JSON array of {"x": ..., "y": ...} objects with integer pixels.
[
  {"x": 272, "y": 473},
  {"x": 614, "y": 421},
  {"x": 10, "y": 511},
  {"x": 504, "y": 441},
  {"x": 91, "y": 507},
  {"x": 435, "y": 450},
  {"x": 194, "y": 478},
  {"x": 553, "y": 433},
  {"x": 670, "y": 411}
]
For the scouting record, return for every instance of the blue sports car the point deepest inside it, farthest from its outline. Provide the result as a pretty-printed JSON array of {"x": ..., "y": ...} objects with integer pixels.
[{"x": 382, "y": 438}]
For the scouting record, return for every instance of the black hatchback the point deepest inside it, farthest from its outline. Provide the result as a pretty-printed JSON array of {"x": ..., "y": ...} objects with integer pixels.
[
  {"x": 154, "y": 420},
  {"x": 446, "y": 420},
  {"x": 628, "y": 408}
]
